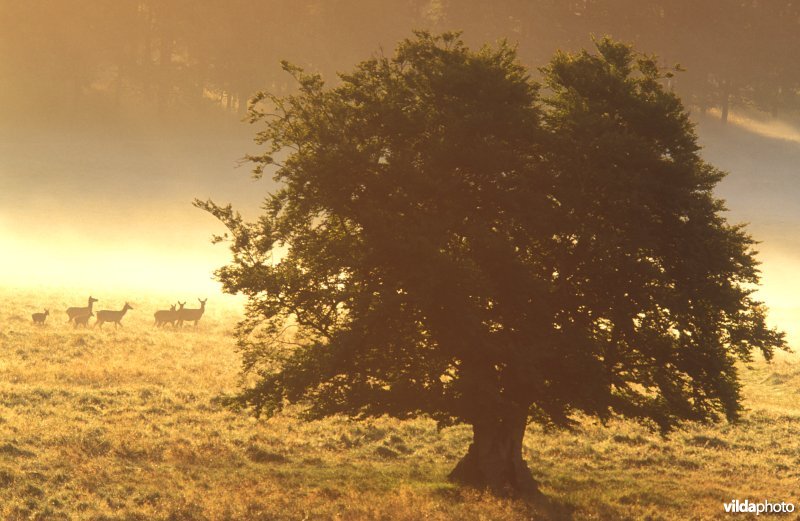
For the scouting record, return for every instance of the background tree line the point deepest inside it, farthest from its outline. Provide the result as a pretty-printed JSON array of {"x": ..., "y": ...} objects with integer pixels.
[{"x": 184, "y": 57}]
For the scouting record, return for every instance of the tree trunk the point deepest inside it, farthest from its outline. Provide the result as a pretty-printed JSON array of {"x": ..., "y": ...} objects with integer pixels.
[
  {"x": 118, "y": 84},
  {"x": 164, "y": 65},
  {"x": 243, "y": 101},
  {"x": 775, "y": 102},
  {"x": 494, "y": 459},
  {"x": 726, "y": 102}
]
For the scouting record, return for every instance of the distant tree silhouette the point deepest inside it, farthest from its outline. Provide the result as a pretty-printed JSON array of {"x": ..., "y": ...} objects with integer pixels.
[
  {"x": 195, "y": 59},
  {"x": 449, "y": 242}
]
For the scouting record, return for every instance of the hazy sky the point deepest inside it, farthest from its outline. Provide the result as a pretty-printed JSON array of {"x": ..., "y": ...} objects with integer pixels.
[{"x": 95, "y": 211}]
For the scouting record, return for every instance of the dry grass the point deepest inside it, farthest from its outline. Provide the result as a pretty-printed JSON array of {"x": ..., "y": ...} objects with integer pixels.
[{"x": 126, "y": 425}]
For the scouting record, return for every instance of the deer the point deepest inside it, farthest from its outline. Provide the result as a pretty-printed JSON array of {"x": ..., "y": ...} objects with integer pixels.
[
  {"x": 39, "y": 318},
  {"x": 192, "y": 314},
  {"x": 74, "y": 312},
  {"x": 107, "y": 315},
  {"x": 82, "y": 320},
  {"x": 164, "y": 316},
  {"x": 175, "y": 317}
]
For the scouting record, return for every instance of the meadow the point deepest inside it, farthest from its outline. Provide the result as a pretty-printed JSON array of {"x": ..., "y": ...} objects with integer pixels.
[{"x": 128, "y": 424}]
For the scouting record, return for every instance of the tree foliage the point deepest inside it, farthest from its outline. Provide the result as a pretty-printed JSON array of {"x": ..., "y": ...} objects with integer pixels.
[{"x": 452, "y": 239}]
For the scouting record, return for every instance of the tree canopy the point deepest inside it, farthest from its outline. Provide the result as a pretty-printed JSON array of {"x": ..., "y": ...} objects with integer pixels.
[{"x": 452, "y": 239}]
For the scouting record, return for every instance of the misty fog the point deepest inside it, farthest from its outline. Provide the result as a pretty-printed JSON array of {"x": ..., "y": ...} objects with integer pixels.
[{"x": 115, "y": 115}]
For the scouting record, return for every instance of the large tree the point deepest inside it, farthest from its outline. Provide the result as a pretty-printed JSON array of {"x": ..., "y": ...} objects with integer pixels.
[{"x": 450, "y": 239}]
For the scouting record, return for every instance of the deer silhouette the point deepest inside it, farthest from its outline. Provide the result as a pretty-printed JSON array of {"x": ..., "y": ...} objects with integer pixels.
[
  {"x": 74, "y": 312},
  {"x": 39, "y": 318},
  {"x": 167, "y": 316},
  {"x": 107, "y": 315},
  {"x": 192, "y": 314},
  {"x": 82, "y": 320}
]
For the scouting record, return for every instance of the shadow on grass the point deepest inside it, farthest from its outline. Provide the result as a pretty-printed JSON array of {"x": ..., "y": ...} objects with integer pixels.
[{"x": 537, "y": 506}]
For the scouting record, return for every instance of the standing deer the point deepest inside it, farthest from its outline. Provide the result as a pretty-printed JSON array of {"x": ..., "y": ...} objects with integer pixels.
[
  {"x": 74, "y": 312},
  {"x": 191, "y": 314},
  {"x": 164, "y": 316},
  {"x": 39, "y": 318},
  {"x": 107, "y": 315},
  {"x": 82, "y": 320},
  {"x": 177, "y": 313}
]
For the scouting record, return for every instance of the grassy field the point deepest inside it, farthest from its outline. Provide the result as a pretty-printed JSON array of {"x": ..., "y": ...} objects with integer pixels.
[{"x": 126, "y": 425}]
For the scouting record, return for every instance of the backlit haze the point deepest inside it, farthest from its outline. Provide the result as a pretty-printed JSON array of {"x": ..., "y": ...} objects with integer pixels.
[
  {"x": 108, "y": 131},
  {"x": 100, "y": 212}
]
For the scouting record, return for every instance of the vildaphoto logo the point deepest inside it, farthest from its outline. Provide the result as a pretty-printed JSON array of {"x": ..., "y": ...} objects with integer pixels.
[{"x": 764, "y": 507}]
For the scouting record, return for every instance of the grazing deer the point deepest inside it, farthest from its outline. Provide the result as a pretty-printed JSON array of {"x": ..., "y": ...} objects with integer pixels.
[
  {"x": 82, "y": 320},
  {"x": 164, "y": 316},
  {"x": 74, "y": 312},
  {"x": 107, "y": 315},
  {"x": 191, "y": 314},
  {"x": 39, "y": 318}
]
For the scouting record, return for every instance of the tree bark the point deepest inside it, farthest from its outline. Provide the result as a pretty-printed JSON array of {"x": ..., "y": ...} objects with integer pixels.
[
  {"x": 118, "y": 83},
  {"x": 243, "y": 101},
  {"x": 494, "y": 459},
  {"x": 775, "y": 101},
  {"x": 164, "y": 66},
  {"x": 726, "y": 102}
]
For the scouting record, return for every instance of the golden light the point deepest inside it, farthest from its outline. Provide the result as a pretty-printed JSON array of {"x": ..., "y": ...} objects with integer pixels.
[{"x": 68, "y": 259}]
